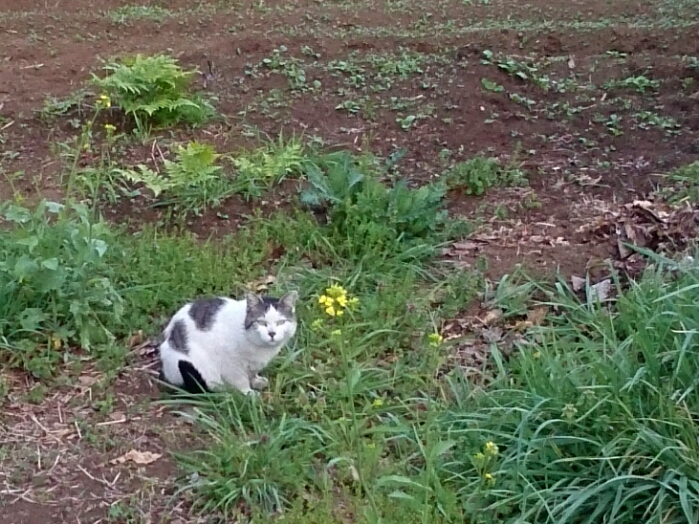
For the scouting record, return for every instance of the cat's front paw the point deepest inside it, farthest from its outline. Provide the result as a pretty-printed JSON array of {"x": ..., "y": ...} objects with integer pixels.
[{"x": 259, "y": 383}]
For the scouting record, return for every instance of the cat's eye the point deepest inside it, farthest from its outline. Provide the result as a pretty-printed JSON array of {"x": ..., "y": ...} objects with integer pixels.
[
  {"x": 280, "y": 322},
  {"x": 262, "y": 322}
]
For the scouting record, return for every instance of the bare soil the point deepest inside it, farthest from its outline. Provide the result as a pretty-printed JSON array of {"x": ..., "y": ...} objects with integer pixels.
[{"x": 61, "y": 446}]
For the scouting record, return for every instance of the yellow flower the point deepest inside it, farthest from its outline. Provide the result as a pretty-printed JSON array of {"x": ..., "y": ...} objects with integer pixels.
[
  {"x": 325, "y": 300},
  {"x": 480, "y": 457},
  {"x": 109, "y": 128},
  {"x": 435, "y": 339},
  {"x": 336, "y": 290},
  {"x": 377, "y": 403},
  {"x": 104, "y": 101},
  {"x": 336, "y": 333},
  {"x": 490, "y": 479},
  {"x": 353, "y": 301},
  {"x": 537, "y": 354},
  {"x": 491, "y": 449},
  {"x": 56, "y": 342},
  {"x": 317, "y": 324},
  {"x": 335, "y": 300}
]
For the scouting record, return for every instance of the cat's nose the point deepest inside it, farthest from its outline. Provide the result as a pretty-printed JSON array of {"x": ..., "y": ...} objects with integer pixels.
[{"x": 271, "y": 334}]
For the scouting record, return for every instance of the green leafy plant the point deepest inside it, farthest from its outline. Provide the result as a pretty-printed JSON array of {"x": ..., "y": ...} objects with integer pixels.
[
  {"x": 154, "y": 91},
  {"x": 489, "y": 85},
  {"x": 57, "y": 282},
  {"x": 264, "y": 167},
  {"x": 191, "y": 182},
  {"x": 594, "y": 417},
  {"x": 684, "y": 184},
  {"x": 363, "y": 209},
  {"x": 480, "y": 173},
  {"x": 254, "y": 460}
]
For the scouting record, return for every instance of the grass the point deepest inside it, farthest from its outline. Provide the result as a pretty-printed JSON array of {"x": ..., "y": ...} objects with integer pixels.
[
  {"x": 590, "y": 421},
  {"x": 369, "y": 416},
  {"x": 591, "y": 418}
]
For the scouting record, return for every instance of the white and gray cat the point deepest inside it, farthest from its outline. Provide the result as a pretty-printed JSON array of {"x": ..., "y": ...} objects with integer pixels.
[{"x": 215, "y": 342}]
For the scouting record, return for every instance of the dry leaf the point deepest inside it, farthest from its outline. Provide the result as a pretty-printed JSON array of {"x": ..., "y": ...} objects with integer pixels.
[
  {"x": 578, "y": 283},
  {"x": 139, "y": 457},
  {"x": 600, "y": 291},
  {"x": 136, "y": 339},
  {"x": 263, "y": 283},
  {"x": 87, "y": 380},
  {"x": 492, "y": 316},
  {"x": 522, "y": 325},
  {"x": 492, "y": 335},
  {"x": 537, "y": 315},
  {"x": 465, "y": 246}
]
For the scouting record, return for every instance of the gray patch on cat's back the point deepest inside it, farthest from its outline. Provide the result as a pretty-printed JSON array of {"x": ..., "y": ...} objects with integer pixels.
[
  {"x": 203, "y": 312},
  {"x": 178, "y": 337}
]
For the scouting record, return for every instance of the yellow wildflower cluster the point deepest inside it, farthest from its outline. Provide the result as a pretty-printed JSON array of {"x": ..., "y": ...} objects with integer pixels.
[
  {"x": 491, "y": 449},
  {"x": 435, "y": 339},
  {"x": 104, "y": 101},
  {"x": 109, "y": 128},
  {"x": 483, "y": 461},
  {"x": 335, "y": 300}
]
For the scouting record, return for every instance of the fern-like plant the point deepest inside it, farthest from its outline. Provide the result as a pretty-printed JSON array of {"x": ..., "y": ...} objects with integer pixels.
[
  {"x": 191, "y": 182},
  {"x": 264, "y": 167},
  {"x": 154, "y": 91}
]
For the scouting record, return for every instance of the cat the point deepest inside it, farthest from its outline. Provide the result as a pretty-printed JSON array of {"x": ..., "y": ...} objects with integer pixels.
[{"x": 211, "y": 343}]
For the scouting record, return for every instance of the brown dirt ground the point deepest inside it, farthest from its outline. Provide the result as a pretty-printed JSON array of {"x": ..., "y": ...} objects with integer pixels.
[{"x": 63, "y": 442}]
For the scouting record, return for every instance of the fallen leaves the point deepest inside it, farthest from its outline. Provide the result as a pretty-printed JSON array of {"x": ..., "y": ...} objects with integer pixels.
[
  {"x": 138, "y": 457},
  {"x": 647, "y": 225},
  {"x": 261, "y": 285}
]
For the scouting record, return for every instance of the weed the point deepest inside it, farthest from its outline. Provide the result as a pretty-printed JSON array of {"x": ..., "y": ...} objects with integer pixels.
[
  {"x": 55, "y": 107},
  {"x": 257, "y": 461},
  {"x": 402, "y": 65},
  {"x": 639, "y": 83},
  {"x": 525, "y": 71},
  {"x": 289, "y": 67},
  {"x": 365, "y": 214},
  {"x": 154, "y": 91},
  {"x": 480, "y": 173},
  {"x": 57, "y": 278},
  {"x": 489, "y": 85},
  {"x": 268, "y": 165},
  {"x": 684, "y": 184},
  {"x": 191, "y": 183},
  {"x": 592, "y": 400},
  {"x": 648, "y": 119},
  {"x": 125, "y": 13},
  {"x": 691, "y": 62}
]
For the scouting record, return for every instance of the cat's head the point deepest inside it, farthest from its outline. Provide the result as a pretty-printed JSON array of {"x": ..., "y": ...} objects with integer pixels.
[{"x": 271, "y": 320}]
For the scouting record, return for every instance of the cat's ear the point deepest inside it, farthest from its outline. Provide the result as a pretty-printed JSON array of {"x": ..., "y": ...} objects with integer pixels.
[
  {"x": 253, "y": 300},
  {"x": 289, "y": 300}
]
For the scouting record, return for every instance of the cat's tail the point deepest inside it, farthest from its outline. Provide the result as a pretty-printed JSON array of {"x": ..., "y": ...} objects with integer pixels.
[{"x": 193, "y": 381}]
